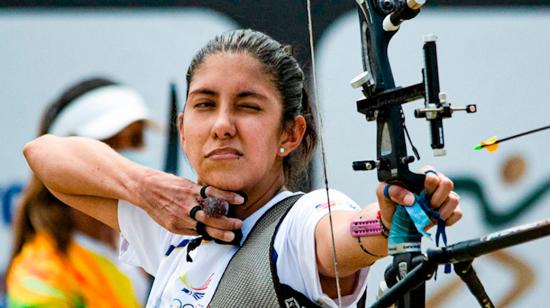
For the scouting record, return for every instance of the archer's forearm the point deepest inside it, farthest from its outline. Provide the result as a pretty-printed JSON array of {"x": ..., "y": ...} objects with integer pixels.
[
  {"x": 351, "y": 257},
  {"x": 82, "y": 167}
]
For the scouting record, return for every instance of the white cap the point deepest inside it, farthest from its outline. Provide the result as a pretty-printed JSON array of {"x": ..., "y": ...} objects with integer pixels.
[{"x": 101, "y": 113}]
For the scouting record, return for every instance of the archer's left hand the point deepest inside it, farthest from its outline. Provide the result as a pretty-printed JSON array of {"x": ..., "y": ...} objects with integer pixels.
[{"x": 438, "y": 187}]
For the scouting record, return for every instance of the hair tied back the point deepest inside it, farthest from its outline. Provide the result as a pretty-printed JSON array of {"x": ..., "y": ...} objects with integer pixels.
[{"x": 289, "y": 50}]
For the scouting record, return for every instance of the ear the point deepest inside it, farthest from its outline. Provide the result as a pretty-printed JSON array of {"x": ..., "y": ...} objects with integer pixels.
[
  {"x": 292, "y": 136},
  {"x": 180, "y": 129}
]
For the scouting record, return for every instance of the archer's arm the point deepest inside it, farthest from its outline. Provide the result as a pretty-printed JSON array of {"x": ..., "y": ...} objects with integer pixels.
[
  {"x": 351, "y": 257},
  {"x": 91, "y": 177},
  {"x": 85, "y": 174}
]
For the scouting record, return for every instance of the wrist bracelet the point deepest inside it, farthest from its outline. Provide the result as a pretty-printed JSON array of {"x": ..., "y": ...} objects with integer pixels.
[{"x": 386, "y": 231}]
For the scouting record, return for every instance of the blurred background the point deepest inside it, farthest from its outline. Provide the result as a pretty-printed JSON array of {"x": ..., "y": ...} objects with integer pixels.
[{"x": 491, "y": 53}]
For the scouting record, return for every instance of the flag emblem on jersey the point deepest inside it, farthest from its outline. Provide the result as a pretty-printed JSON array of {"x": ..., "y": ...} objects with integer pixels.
[
  {"x": 333, "y": 203},
  {"x": 196, "y": 292}
]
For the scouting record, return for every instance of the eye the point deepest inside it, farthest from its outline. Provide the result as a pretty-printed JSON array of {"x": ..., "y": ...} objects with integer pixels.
[
  {"x": 250, "y": 106},
  {"x": 204, "y": 104}
]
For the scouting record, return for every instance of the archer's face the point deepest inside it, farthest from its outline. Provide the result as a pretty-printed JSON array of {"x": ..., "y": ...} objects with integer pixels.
[{"x": 231, "y": 130}]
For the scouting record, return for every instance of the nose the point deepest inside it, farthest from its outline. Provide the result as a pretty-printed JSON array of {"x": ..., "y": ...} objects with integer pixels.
[{"x": 224, "y": 125}]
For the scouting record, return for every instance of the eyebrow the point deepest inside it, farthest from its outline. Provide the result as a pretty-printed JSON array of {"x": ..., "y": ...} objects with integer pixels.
[
  {"x": 242, "y": 94},
  {"x": 245, "y": 94},
  {"x": 205, "y": 91}
]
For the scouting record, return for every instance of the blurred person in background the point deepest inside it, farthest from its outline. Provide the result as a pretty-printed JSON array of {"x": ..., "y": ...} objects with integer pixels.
[{"x": 62, "y": 257}]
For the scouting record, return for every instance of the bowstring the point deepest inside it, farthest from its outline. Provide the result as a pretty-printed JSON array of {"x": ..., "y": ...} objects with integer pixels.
[{"x": 322, "y": 144}]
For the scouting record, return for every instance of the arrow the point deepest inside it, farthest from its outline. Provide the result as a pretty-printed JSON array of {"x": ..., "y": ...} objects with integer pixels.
[{"x": 491, "y": 144}]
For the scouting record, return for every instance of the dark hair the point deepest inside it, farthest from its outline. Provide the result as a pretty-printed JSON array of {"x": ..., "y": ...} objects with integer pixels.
[
  {"x": 287, "y": 76},
  {"x": 37, "y": 205}
]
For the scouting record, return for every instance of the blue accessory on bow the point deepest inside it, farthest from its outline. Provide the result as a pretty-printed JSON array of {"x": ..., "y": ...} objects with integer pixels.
[{"x": 405, "y": 236}]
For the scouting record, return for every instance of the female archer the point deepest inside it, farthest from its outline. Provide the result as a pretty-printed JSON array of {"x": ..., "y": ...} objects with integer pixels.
[{"x": 248, "y": 132}]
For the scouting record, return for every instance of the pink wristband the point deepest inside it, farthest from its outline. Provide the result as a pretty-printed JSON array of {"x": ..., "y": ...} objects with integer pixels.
[{"x": 367, "y": 227}]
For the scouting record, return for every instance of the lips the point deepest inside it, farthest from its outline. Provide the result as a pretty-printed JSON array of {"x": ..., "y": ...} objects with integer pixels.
[{"x": 224, "y": 153}]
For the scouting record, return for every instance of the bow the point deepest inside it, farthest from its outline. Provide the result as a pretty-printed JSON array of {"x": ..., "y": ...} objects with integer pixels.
[{"x": 379, "y": 22}]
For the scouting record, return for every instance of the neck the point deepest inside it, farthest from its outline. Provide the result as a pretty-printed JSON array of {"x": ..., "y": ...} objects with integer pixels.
[{"x": 259, "y": 196}]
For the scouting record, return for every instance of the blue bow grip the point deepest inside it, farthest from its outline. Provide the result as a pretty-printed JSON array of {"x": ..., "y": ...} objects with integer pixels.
[{"x": 404, "y": 237}]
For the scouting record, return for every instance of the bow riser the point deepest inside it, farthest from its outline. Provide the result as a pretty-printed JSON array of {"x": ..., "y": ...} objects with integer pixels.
[
  {"x": 379, "y": 21},
  {"x": 392, "y": 156}
]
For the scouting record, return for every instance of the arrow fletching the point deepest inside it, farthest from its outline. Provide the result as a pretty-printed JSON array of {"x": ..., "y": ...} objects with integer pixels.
[{"x": 490, "y": 144}]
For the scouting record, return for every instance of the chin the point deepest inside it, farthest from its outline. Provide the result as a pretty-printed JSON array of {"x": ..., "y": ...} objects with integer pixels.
[{"x": 225, "y": 182}]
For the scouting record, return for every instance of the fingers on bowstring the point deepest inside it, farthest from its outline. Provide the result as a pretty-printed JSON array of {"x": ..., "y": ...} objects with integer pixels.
[
  {"x": 222, "y": 222},
  {"x": 226, "y": 236},
  {"x": 210, "y": 191}
]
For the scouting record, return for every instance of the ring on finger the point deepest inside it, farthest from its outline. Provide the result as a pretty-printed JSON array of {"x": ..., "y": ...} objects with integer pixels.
[
  {"x": 203, "y": 192},
  {"x": 201, "y": 230},
  {"x": 194, "y": 210}
]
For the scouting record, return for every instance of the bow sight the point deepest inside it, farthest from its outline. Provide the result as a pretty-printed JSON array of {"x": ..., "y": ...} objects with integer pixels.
[{"x": 378, "y": 102}]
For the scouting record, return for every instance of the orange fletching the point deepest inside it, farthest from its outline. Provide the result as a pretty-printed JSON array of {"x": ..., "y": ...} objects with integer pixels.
[{"x": 490, "y": 145}]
